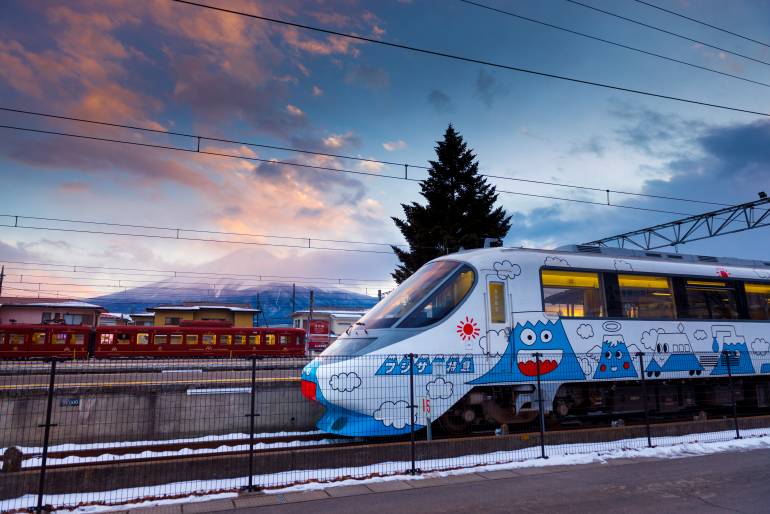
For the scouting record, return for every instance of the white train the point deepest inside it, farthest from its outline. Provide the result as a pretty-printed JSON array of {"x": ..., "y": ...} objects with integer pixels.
[{"x": 479, "y": 321}]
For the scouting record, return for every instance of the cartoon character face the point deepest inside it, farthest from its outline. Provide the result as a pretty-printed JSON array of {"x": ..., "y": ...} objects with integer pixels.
[{"x": 615, "y": 360}]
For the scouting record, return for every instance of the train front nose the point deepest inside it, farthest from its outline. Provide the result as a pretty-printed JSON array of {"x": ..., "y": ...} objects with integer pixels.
[{"x": 309, "y": 381}]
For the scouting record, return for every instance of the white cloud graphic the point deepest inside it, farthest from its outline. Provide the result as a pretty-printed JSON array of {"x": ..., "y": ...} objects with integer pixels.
[
  {"x": 506, "y": 269},
  {"x": 556, "y": 261},
  {"x": 762, "y": 273},
  {"x": 700, "y": 335},
  {"x": 760, "y": 346},
  {"x": 587, "y": 364},
  {"x": 585, "y": 331},
  {"x": 494, "y": 343},
  {"x": 345, "y": 382},
  {"x": 650, "y": 338},
  {"x": 439, "y": 389},
  {"x": 622, "y": 265},
  {"x": 393, "y": 414}
]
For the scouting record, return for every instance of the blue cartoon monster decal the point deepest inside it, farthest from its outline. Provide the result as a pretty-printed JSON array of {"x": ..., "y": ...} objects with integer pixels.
[
  {"x": 615, "y": 360},
  {"x": 519, "y": 364}
]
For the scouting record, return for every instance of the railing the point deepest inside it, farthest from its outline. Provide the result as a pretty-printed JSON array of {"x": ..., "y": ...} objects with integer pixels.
[{"x": 126, "y": 431}]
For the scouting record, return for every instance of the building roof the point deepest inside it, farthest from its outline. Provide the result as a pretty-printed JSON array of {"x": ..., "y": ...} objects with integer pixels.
[
  {"x": 230, "y": 308},
  {"x": 62, "y": 303}
]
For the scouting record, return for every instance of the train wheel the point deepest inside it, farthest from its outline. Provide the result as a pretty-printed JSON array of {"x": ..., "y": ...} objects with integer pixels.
[{"x": 457, "y": 420}]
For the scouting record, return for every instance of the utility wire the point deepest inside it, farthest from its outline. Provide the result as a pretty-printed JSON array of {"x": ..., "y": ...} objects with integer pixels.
[
  {"x": 176, "y": 273},
  {"x": 304, "y": 151},
  {"x": 653, "y": 27},
  {"x": 456, "y": 57},
  {"x": 613, "y": 43},
  {"x": 747, "y": 38},
  {"x": 394, "y": 177}
]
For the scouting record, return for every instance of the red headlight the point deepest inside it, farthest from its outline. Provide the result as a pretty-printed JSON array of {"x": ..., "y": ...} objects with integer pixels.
[{"x": 308, "y": 389}]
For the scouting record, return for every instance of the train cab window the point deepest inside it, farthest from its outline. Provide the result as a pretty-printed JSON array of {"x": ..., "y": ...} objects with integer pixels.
[
  {"x": 758, "y": 300},
  {"x": 254, "y": 339},
  {"x": 38, "y": 338},
  {"x": 124, "y": 338},
  {"x": 142, "y": 338},
  {"x": 208, "y": 339},
  {"x": 176, "y": 338},
  {"x": 573, "y": 294},
  {"x": 160, "y": 339},
  {"x": 646, "y": 297},
  {"x": 225, "y": 339},
  {"x": 59, "y": 339},
  {"x": 16, "y": 339},
  {"x": 284, "y": 340},
  {"x": 192, "y": 339},
  {"x": 240, "y": 339},
  {"x": 270, "y": 339},
  {"x": 105, "y": 339},
  {"x": 711, "y": 299},
  {"x": 443, "y": 300},
  {"x": 409, "y": 294}
]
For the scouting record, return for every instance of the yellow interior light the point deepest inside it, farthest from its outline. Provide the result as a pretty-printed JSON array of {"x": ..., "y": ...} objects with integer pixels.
[
  {"x": 705, "y": 283},
  {"x": 758, "y": 288},
  {"x": 559, "y": 278},
  {"x": 643, "y": 282}
]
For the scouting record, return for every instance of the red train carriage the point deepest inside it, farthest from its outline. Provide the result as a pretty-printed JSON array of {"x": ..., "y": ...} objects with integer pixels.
[
  {"x": 65, "y": 341},
  {"x": 192, "y": 341}
]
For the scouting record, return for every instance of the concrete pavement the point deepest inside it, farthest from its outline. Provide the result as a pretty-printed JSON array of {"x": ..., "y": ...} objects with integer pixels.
[{"x": 727, "y": 482}]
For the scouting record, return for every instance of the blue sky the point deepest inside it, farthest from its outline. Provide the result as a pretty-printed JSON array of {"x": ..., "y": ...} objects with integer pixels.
[{"x": 176, "y": 67}]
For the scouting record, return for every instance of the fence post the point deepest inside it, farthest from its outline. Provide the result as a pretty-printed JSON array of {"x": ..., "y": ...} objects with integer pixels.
[
  {"x": 726, "y": 356},
  {"x": 644, "y": 395},
  {"x": 412, "y": 406},
  {"x": 46, "y": 437},
  {"x": 252, "y": 417},
  {"x": 540, "y": 407}
]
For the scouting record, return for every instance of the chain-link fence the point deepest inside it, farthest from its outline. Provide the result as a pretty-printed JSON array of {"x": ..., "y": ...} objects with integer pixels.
[{"x": 120, "y": 432}]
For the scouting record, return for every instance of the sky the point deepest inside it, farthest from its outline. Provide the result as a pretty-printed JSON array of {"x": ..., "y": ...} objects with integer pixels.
[{"x": 175, "y": 67}]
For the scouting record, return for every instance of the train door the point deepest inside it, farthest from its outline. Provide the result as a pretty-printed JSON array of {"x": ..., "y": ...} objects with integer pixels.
[{"x": 497, "y": 307}]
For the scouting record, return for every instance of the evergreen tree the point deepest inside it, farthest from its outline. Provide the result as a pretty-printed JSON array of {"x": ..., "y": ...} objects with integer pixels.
[{"x": 460, "y": 209}]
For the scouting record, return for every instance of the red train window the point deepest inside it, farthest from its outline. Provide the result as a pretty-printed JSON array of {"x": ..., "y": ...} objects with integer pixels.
[
  {"x": 106, "y": 339},
  {"x": 283, "y": 340},
  {"x": 226, "y": 339},
  {"x": 124, "y": 338},
  {"x": 77, "y": 338},
  {"x": 161, "y": 339},
  {"x": 38, "y": 337},
  {"x": 59, "y": 339},
  {"x": 2, "y": 338},
  {"x": 142, "y": 338},
  {"x": 208, "y": 339},
  {"x": 240, "y": 339},
  {"x": 16, "y": 338}
]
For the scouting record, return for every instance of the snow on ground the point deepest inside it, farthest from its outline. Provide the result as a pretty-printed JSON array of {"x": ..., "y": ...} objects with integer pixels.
[{"x": 559, "y": 455}]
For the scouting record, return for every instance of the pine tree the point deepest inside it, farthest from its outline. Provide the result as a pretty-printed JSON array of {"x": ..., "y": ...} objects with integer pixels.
[{"x": 460, "y": 210}]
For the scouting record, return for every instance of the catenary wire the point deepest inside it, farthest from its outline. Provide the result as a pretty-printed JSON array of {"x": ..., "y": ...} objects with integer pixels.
[
  {"x": 664, "y": 31},
  {"x": 701, "y": 22},
  {"x": 446, "y": 55},
  {"x": 310, "y": 152},
  {"x": 614, "y": 43}
]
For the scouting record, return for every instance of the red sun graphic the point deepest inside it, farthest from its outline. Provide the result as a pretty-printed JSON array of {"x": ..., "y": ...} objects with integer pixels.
[{"x": 468, "y": 329}]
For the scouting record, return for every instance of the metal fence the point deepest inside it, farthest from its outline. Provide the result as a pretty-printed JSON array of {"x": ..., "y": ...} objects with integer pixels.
[{"x": 120, "y": 432}]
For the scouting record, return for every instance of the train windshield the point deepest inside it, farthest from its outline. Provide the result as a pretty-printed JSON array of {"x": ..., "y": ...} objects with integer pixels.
[{"x": 410, "y": 293}]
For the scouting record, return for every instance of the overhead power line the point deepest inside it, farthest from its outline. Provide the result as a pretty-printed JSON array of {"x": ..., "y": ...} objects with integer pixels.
[
  {"x": 614, "y": 43},
  {"x": 701, "y": 22},
  {"x": 201, "y": 137},
  {"x": 664, "y": 31},
  {"x": 482, "y": 62}
]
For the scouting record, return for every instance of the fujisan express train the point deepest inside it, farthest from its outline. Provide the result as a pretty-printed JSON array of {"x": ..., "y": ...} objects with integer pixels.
[{"x": 482, "y": 326}]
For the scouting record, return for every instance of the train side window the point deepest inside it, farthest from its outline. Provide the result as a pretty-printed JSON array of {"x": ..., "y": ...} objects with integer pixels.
[
  {"x": 16, "y": 339},
  {"x": 253, "y": 340},
  {"x": 142, "y": 338},
  {"x": 38, "y": 337},
  {"x": 758, "y": 300},
  {"x": 208, "y": 339},
  {"x": 225, "y": 339},
  {"x": 160, "y": 339},
  {"x": 240, "y": 339},
  {"x": 176, "y": 338},
  {"x": 77, "y": 339},
  {"x": 283, "y": 340},
  {"x": 106, "y": 339},
  {"x": 124, "y": 338},
  {"x": 192, "y": 339},
  {"x": 711, "y": 299},
  {"x": 573, "y": 294},
  {"x": 646, "y": 297},
  {"x": 2, "y": 338},
  {"x": 270, "y": 339},
  {"x": 59, "y": 339},
  {"x": 496, "y": 302}
]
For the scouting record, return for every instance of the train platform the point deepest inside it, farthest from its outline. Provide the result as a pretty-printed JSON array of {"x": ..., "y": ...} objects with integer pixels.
[{"x": 724, "y": 482}]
